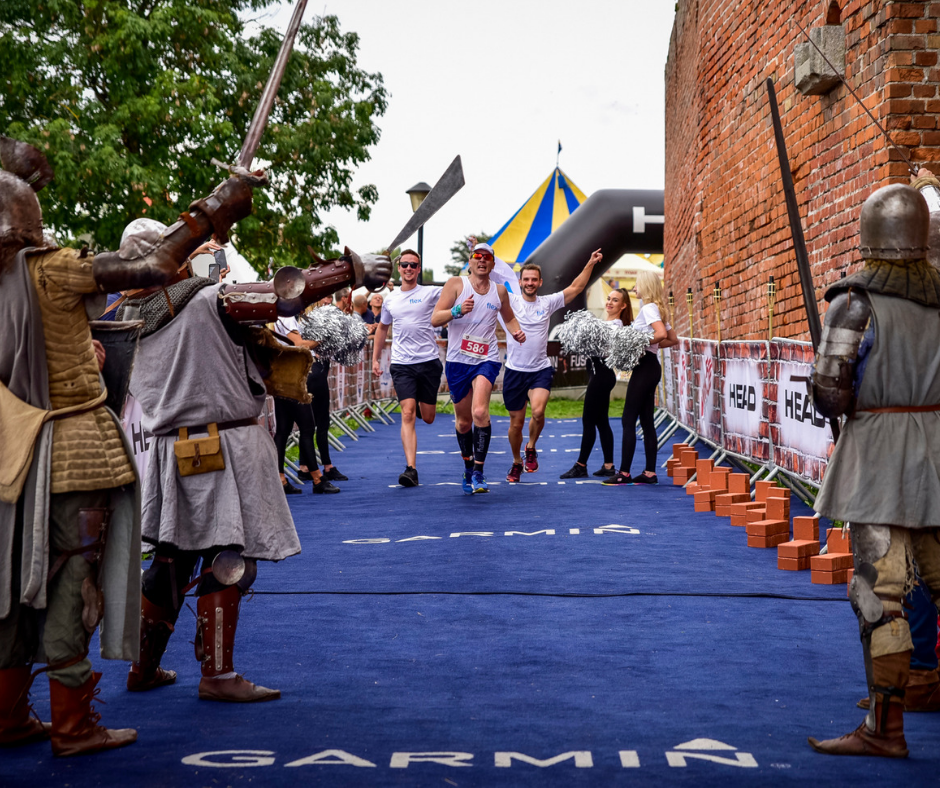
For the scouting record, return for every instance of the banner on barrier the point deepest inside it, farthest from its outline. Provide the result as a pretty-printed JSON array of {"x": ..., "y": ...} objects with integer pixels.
[
  {"x": 744, "y": 373},
  {"x": 708, "y": 387},
  {"x": 685, "y": 410}
]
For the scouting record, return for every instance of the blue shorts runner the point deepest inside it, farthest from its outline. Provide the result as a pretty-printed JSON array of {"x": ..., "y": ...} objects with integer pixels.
[
  {"x": 460, "y": 376},
  {"x": 516, "y": 385}
]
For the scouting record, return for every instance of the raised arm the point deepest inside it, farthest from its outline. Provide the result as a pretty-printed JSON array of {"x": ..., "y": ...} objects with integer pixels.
[{"x": 581, "y": 280}]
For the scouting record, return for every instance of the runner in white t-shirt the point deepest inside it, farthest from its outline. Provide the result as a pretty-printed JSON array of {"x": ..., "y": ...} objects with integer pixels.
[
  {"x": 472, "y": 303},
  {"x": 528, "y": 375},
  {"x": 416, "y": 365}
]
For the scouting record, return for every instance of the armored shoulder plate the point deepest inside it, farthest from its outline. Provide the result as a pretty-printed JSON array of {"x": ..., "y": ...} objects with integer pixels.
[{"x": 833, "y": 371}]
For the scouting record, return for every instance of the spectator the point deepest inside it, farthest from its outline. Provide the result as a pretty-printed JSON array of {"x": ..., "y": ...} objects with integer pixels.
[
  {"x": 376, "y": 304},
  {"x": 343, "y": 300},
  {"x": 361, "y": 307}
]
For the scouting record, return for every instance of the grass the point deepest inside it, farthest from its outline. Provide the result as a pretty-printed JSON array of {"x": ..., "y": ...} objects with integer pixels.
[{"x": 556, "y": 408}]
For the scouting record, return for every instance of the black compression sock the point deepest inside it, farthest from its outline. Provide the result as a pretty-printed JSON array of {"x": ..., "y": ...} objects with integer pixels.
[
  {"x": 465, "y": 442},
  {"x": 481, "y": 443}
]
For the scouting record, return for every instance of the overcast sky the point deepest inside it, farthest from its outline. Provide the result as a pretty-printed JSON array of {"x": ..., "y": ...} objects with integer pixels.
[{"x": 500, "y": 82}]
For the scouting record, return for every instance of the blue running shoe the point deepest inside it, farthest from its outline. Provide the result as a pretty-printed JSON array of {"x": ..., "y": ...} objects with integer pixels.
[
  {"x": 468, "y": 482},
  {"x": 479, "y": 483}
]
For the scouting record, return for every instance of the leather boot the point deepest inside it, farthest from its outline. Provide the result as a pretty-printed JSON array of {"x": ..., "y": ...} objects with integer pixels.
[
  {"x": 217, "y": 615},
  {"x": 886, "y": 739},
  {"x": 75, "y": 729},
  {"x": 16, "y": 725},
  {"x": 156, "y": 626},
  {"x": 923, "y": 692}
]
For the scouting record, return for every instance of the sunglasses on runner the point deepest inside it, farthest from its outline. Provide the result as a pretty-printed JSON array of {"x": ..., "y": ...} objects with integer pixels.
[
  {"x": 481, "y": 256},
  {"x": 409, "y": 265}
]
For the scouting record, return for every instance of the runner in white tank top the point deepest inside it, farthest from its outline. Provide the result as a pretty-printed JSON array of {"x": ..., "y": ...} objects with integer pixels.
[{"x": 469, "y": 307}]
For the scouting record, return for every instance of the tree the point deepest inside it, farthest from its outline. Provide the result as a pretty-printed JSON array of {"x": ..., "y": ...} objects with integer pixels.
[
  {"x": 460, "y": 252},
  {"x": 130, "y": 99}
]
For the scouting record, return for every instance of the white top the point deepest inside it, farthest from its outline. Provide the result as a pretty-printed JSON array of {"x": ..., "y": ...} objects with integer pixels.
[
  {"x": 414, "y": 340},
  {"x": 649, "y": 314},
  {"x": 471, "y": 339},
  {"x": 533, "y": 317},
  {"x": 284, "y": 326}
]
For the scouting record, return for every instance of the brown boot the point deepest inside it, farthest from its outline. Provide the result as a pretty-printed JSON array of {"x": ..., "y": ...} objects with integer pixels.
[
  {"x": 74, "y": 723},
  {"x": 922, "y": 694},
  {"x": 215, "y": 641},
  {"x": 16, "y": 725},
  {"x": 886, "y": 738},
  {"x": 156, "y": 626}
]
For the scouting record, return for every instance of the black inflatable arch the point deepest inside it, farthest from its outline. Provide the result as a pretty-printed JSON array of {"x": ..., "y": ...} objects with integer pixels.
[{"x": 618, "y": 221}]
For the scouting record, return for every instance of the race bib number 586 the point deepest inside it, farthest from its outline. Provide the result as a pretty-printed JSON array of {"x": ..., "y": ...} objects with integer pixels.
[{"x": 475, "y": 347}]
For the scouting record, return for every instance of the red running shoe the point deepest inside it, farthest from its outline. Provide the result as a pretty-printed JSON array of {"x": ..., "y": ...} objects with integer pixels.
[
  {"x": 531, "y": 460},
  {"x": 515, "y": 473}
]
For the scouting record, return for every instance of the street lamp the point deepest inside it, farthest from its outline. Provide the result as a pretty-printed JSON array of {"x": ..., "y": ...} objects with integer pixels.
[{"x": 417, "y": 193}]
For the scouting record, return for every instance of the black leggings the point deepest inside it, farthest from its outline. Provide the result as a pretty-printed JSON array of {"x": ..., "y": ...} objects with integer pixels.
[
  {"x": 639, "y": 404},
  {"x": 318, "y": 384},
  {"x": 601, "y": 380},
  {"x": 288, "y": 412}
]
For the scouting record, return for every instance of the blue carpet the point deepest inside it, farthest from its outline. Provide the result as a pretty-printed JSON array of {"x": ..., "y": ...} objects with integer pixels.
[{"x": 373, "y": 668}]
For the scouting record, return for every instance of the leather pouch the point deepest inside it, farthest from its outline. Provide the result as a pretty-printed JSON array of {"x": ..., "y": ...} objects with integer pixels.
[{"x": 199, "y": 455}]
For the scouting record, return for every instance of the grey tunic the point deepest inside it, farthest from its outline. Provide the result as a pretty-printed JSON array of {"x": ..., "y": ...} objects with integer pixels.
[
  {"x": 886, "y": 466},
  {"x": 191, "y": 373}
]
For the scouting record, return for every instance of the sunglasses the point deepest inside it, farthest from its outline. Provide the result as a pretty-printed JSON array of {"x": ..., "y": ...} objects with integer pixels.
[
  {"x": 481, "y": 256},
  {"x": 409, "y": 265}
]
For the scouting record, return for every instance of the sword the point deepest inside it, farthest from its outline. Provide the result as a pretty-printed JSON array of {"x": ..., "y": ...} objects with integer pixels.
[
  {"x": 835, "y": 71},
  {"x": 449, "y": 184},
  {"x": 260, "y": 120}
]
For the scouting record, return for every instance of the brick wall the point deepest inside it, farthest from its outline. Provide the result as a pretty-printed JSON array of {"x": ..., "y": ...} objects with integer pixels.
[{"x": 726, "y": 219}]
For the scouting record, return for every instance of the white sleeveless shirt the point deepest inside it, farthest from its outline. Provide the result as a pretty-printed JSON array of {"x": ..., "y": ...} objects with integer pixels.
[{"x": 471, "y": 339}]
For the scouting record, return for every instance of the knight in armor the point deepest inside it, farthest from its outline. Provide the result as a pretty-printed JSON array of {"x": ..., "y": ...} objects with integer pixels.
[
  {"x": 69, "y": 498},
  {"x": 879, "y": 365},
  {"x": 213, "y": 505}
]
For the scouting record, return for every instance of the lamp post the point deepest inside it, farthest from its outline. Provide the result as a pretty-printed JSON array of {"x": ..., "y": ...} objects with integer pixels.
[
  {"x": 771, "y": 300},
  {"x": 417, "y": 193},
  {"x": 716, "y": 294},
  {"x": 688, "y": 300}
]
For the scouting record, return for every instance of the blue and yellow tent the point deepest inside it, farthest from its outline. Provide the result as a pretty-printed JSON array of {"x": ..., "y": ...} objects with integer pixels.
[{"x": 553, "y": 202}]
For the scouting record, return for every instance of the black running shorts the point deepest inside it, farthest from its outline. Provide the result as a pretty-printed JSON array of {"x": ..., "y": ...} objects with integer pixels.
[{"x": 420, "y": 381}]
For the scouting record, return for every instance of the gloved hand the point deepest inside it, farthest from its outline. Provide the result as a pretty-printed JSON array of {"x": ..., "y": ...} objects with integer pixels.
[
  {"x": 372, "y": 270},
  {"x": 230, "y": 202}
]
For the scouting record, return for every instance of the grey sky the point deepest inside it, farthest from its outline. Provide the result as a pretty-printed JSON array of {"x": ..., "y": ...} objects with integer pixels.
[{"x": 500, "y": 83}]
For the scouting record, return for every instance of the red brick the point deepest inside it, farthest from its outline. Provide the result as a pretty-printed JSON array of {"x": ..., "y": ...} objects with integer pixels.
[
  {"x": 761, "y": 489},
  {"x": 829, "y": 578},
  {"x": 778, "y": 509},
  {"x": 726, "y": 499},
  {"x": 688, "y": 458},
  {"x": 703, "y": 468},
  {"x": 798, "y": 548},
  {"x": 791, "y": 564},
  {"x": 806, "y": 528},
  {"x": 693, "y": 487},
  {"x": 678, "y": 448},
  {"x": 768, "y": 528},
  {"x": 832, "y": 562},
  {"x": 718, "y": 478},
  {"x": 836, "y": 542},
  {"x": 756, "y": 514},
  {"x": 705, "y": 501},
  {"x": 739, "y": 483},
  {"x": 766, "y": 541}
]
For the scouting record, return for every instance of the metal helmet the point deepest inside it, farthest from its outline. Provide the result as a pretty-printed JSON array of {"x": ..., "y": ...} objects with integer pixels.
[
  {"x": 20, "y": 214},
  {"x": 894, "y": 225}
]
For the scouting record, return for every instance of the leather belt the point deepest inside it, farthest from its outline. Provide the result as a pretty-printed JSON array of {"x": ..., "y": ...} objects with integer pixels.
[
  {"x": 222, "y": 425},
  {"x": 902, "y": 409}
]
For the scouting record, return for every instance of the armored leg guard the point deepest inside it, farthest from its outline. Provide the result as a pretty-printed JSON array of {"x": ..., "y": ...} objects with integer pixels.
[
  {"x": 922, "y": 693},
  {"x": 882, "y": 732},
  {"x": 215, "y": 640},
  {"x": 16, "y": 725},
  {"x": 75, "y": 729},
  {"x": 156, "y": 626}
]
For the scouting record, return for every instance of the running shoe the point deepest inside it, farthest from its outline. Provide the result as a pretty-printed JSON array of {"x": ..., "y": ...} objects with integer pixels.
[
  {"x": 289, "y": 489},
  {"x": 619, "y": 479},
  {"x": 479, "y": 483},
  {"x": 644, "y": 479},
  {"x": 409, "y": 477},
  {"x": 576, "y": 472},
  {"x": 515, "y": 473},
  {"x": 323, "y": 487},
  {"x": 335, "y": 475},
  {"x": 531, "y": 460},
  {"x": 468, "y": 482},
  {"x": 602, "y": 471}
]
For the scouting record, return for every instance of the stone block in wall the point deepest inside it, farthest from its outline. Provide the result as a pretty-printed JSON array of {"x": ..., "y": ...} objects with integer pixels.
[{"x": 812, "y": 75}]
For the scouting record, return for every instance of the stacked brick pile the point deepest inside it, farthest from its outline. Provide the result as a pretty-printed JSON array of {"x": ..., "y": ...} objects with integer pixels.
[{"x": 725, "y": 215}]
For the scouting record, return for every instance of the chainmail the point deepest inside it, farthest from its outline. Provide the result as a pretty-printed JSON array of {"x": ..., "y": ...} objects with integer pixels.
[
  {"x": 915, "y": 280},
  {"x": 154, "y": 310}
]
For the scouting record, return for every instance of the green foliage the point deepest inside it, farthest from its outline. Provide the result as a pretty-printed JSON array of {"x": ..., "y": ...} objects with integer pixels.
[
  {"x": 130, "y": 99},
  {"x": 460, "y": 253}
]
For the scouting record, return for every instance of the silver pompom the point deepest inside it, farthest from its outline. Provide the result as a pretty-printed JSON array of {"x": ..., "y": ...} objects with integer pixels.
[
  {"x": 341, "y": 336},
  {"x": 627, "y": 346},
  {"x": 584, "y": 334}
]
